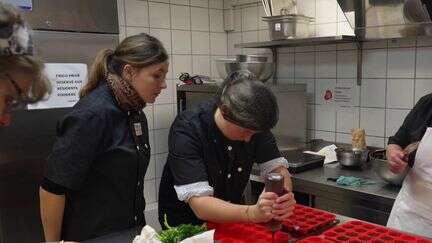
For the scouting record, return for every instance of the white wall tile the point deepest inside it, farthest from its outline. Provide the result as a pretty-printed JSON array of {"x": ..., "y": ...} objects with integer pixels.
[
  {"x": 201, "y": 65},
  {"x": 307, "y": 7},
  {"x": 218, "y": 4},
  {"x": 181, "y": 64},
  {"x": 286, "y": 65},
  {"x": 137, "y": 13},
  {"x": 130, "y": 31},
  {"x": 424, "y": 60},
  {"x": 238, "y": 19},
  {"x": 374, "y": 63},
  {"x": 181, "y": 41},
  {"x": 373, "y": 92},
  {"x": 261, "y": 13},
  {"x": 234, "y": 38},
  {"x": 163, "y": 116},
  {"x": 400, "y": 93},
  {"x": 327, "y": 136},
  {"x": 375, "y": 141},
  {"x": 121, "y": 12},
  {"x": 151, "y": 169},
  {"x": 180, "y": 17},
  {"x": 167, "y": 95},
  {"x": 347, "y": 64},
  {"x": 181, "y": 2},
  {"x": 250, "y": 36},
  {"x": 250, "y": 18},
  {"x": 200, "y": 3},
  {"x": 200, "y": 43},
  {"x": 310, "y": 89},
  {"x": 200, "y": 19},
  {"x": 346, "y": 119},
  {"x": 216, "y": 20},
  {"x": 310, "y": 117},
  {"x": 325, "y": 118},
  {"x": 160, "y": 163},
  {"x": 264, "y": 35},
  {"x": 326, "y": 11},
  {"x": 372, "y": 120},
  {"x": 322, "y": 86},
  {"x": 401, "y": 63},
  {"x": 326, "y": 64},
  {"x": 152, "y": 142},
  {"x": 164, "y": 36},
  {"x": 344, "y": 28},
  {"x": 323, "y": 30},
  {"x": 343, "y": 138},
  {"x": 161, "y": 141},
  {"x": 159, "y": 15},
  {"x": 422, "y": 88},
  {"x": 214, "y": 72},
  {"x": 150, "y": 191},
  {"x": 394, "y": 119},
  {"x": 218, "y": 44},
  {"x": 148, "y": 111},
  {"x": 305, "y": 65}
]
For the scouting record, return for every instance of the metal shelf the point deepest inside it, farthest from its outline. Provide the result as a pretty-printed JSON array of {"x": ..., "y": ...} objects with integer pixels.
[{"x": 300, "y": 42}]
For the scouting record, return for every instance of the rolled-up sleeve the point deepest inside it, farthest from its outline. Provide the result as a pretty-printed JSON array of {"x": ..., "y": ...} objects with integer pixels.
[
  {"x": 79, "y": 138},
  {"x": 186, "y": 161}
]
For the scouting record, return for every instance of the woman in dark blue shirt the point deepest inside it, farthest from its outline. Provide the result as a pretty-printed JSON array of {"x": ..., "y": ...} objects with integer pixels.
[{"x": 94, "y": 178}]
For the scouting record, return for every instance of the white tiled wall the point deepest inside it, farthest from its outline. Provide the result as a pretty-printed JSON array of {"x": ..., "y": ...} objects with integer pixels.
[
  {"x": 395, "y": 73},
  {"x": 192, "y": 32}
]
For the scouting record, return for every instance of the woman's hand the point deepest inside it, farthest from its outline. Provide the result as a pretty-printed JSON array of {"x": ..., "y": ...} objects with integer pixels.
[
  {"x": 396, "y": 158},
  {"x": 262, "y": 210},
  {"x": 284, "y": 206}
]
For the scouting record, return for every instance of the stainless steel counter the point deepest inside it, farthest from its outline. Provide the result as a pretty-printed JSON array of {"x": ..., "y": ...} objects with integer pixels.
[{"x": 371, "y": 203}]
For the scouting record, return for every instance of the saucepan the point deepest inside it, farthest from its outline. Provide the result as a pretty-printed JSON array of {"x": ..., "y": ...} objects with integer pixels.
[{"x": 349, "y": 157}]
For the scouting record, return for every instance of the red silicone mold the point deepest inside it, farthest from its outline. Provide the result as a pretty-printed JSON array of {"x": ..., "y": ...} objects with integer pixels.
[
  {"x": 314, "y": 239},
  {"x": 360, "y": 232},
  {"x": 245, "y": 233},
  {"x": 306, "y": 220}
]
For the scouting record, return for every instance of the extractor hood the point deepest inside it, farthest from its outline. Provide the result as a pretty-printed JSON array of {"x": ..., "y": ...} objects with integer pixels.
[{"x": 384, "y": 19}]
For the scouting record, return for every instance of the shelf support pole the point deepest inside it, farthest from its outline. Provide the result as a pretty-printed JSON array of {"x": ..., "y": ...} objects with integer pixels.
[
  {"x": 359, "y": 62},
  {"x": 274, "y": 51}
]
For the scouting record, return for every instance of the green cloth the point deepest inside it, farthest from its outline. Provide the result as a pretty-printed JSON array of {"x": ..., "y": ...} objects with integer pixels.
[{"x": 353, "y": 181}]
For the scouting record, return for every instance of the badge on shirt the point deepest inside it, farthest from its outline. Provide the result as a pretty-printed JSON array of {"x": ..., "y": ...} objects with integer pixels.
[{"x": 138, "y": 129}]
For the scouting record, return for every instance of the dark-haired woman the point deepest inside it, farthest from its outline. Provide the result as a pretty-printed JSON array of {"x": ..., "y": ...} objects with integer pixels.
[
  {"x": 94, "y": 179},
  {"x": 211, "y": 152}
]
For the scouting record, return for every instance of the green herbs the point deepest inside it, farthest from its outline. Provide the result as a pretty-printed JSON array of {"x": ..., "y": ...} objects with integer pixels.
[{"x": 179, "y": 233}]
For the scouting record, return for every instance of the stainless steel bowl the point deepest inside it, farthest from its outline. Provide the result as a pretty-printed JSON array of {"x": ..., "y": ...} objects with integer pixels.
[
  {"x": 351, "y": 158},
  {"x": 380, "y": 166},
  {"x": 262, "y": 70},
  {"x": 251, "y": 58}
]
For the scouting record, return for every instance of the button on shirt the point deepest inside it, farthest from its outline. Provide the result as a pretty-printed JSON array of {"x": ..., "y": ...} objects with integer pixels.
[
  {"x": 96, "y": 158},
  {"x": 202, "y": 162}
]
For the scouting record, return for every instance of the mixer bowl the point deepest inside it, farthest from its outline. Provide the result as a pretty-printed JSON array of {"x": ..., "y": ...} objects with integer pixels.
[
  {"x": 262, "y": 70},
  {"x": 380, "y": 166}
]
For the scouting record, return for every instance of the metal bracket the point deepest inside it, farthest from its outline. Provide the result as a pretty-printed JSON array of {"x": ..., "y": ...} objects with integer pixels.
[
  {"x": 274, "y": 51},
  {"x": 359, "y": 62}
]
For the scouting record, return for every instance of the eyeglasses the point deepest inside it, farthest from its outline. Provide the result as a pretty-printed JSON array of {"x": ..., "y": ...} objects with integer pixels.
[{"x": 21, "y": 99}]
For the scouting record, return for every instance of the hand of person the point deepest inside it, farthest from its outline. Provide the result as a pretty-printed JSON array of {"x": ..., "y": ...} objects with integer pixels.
[
  {"x": 262, "y": 211},
  {"x": 396, "y": 158},
  {"x": 284, "y": 206}
]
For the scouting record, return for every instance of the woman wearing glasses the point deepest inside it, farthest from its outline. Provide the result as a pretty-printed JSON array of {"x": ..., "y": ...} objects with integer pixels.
[
  {"x": 94, "y": 179},
  {"x": 21, "y": 75},
  {"x": 211, "y": 152}
]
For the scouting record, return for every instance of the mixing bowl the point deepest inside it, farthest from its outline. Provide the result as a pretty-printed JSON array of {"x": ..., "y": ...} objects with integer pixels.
[
  {"x": 351, "y": 158},
  {"x": 262, "y": 70},
  {"x": 380, "y": 166}
]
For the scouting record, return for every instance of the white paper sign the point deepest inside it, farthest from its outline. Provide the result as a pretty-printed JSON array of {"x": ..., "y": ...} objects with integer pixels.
[
  {"x": 343, "y": 95},
  {"x": 26, "y": 5},
  {"x": 66, "y": 80}
]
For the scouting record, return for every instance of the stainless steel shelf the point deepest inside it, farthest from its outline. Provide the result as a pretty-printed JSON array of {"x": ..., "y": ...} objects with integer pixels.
[{"x": 300, "y": 42}]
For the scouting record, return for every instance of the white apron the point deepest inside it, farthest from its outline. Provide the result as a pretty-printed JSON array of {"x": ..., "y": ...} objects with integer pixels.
[{"x": 412, "y": 210}]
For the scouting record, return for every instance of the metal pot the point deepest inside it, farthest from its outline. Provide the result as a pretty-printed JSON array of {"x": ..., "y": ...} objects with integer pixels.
[
  {"x": 351, "y": 158},
  {"x": 380, "y": 166}
]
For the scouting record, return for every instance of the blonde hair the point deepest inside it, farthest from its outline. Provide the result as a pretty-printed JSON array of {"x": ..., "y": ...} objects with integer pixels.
[
  {"x": 30, "y": 64},
  {"x": 139, "y": 51}
]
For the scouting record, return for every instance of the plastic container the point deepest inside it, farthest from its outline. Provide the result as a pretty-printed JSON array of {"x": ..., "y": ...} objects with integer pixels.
[
  {"x": 245, "y": 233},
  {"x": 359, "y": 232},
  {"x": 314, "y": 239},
  {"x": 288, "y": 26},
  {"x": 306, "y": 220}
]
